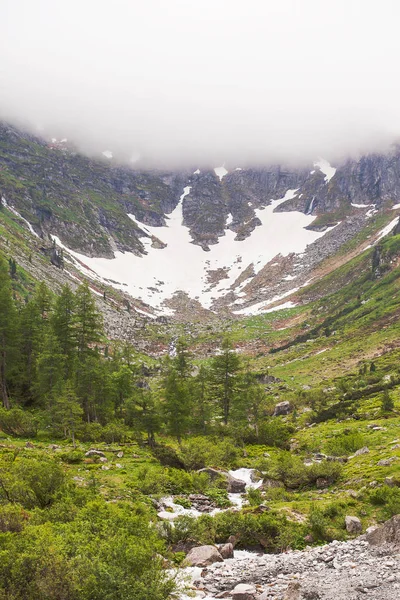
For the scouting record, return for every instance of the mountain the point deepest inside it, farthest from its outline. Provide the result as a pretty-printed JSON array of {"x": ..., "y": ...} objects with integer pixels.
[{"x": 214, "y": 241}]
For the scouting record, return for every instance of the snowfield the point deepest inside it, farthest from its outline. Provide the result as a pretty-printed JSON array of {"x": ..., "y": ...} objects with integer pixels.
[{"x": 184, "y": 266}]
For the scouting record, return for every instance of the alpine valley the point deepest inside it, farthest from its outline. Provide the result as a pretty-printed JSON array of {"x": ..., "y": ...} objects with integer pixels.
[{"x": 199, "y": 377}]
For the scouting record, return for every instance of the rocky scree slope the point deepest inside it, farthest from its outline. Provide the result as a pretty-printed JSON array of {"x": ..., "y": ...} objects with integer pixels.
[{"x": 366, "y": 567}]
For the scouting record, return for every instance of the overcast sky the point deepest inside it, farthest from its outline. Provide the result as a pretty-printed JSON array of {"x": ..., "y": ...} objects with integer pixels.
[{"x": 205, "y": 81}]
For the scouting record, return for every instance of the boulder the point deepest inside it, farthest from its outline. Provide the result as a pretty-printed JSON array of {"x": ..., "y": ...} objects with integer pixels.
[
  {"x": 203, "y": 556},
  {"x": 244, "y": 591},
  {"x": 385, "y": 462},
  {"x": 388, "y": 533},
  {"x": 215, "y": 474},
  {"x": 236, "y": 486},
  {"x": 364, "y": 450},
  {"x": 353, "y": 524},
  {"x": 282, "y": 408},
  {"x": 94, "y": 453},
  {"x": 226, "y": 551},
  {"x": 392, "y": 481},
  {"x": 233, "y": 485},
  {"x": 272, "y": 483}
]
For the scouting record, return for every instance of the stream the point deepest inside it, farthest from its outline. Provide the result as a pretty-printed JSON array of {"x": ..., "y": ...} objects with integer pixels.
[{"x": 190, "y": 574}]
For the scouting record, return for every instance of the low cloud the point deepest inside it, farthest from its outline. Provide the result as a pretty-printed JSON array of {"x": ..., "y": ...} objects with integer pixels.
[{"x": 204, "y": 83}]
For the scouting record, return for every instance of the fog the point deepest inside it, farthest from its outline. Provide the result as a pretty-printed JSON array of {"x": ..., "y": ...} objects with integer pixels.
[{"x": 181, "y": 83}]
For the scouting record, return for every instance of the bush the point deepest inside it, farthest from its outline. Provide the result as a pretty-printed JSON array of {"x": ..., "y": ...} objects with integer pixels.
[
  {"x": 12, "y": 519},
  {"x": 275, "y": 432},
  {"x": 318, "y": 524},
  {"x": 387, "y": 402},
  {"x": 219, "y": 497},
  {"x": 168, "y": 457},
  {"x": 31, "y": 482},
  {"x": 115, "y": 433},
  {"x": 254, "y": 497},
  {"x": 345, "y": 444},
  {"x": 387, "y": 497},
  {"x": 72, "y": 457},
  {"x": 296, "y": 475},
  {"x": 156, "y": 480},
  {"x": 182, "y": 501},
  {"x": 273, "y": 531},
  {"x": 18, "y": 422},
  {"x": 91, "y": 432},
  {"x": 200, "y": 452}
]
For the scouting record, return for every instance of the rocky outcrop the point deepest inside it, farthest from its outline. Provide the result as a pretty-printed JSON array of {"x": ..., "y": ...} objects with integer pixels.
[
  {"x": 282, "y": 408},
  {"x": 353, "y": 524},
  {"x": 232, "y": 485},
  {"x": 203, "y": 556},
  {"x": 388, "y": 533}
]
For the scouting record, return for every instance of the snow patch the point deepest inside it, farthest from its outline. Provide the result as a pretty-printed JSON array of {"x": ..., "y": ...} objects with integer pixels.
[
  {"x": 220, "y": 172},
  {"x": 184, "y": 266},
  {"x": 196, "y": 172},
  {"x": 386, "y": 230},
  {"x": 326, "y": 168},
  {"x": 107, "y": 153}
]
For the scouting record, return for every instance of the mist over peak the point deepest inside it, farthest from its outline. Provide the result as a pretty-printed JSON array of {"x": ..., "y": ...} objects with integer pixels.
[{"x": 180, "y": 84}]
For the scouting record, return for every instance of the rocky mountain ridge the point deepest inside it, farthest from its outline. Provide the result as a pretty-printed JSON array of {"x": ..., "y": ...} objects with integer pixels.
[{"x": 100, "y": 210}]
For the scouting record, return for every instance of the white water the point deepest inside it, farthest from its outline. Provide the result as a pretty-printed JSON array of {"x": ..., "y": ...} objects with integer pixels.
[
  {"x": 237, "y": 500},
  {"x": 184, "y": 266},
  {"x": 16, "y": 213}
]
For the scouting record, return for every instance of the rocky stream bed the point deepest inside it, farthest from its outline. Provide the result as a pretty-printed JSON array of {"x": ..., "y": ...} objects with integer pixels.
[{"x": 365, "y": 567}]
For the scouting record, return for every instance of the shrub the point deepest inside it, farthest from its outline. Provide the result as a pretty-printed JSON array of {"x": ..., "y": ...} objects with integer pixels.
[
  {"x": 91, "y": 432},
  {"x": 72, "y": 457},
  {"x": 345, "y": 444},
  {"x": 18, "y": 422},
  {"x": 182, "y": 501},
  {"x": 31, "y": 482},
  {"x": 318, "y": 524},
  {"x": 387, "y": 401},
  {"x": 168, "y": 457},
  {"x": 200, "y": 452},
  {"x": 387, "y": 497},
  {"x": 275, "y": 432},
  {"x": 254, "y": 497},
  {"x": 115, "y": 433},
  {"x": 12, "y": 519},
  {"x": 219, "y": 497}
]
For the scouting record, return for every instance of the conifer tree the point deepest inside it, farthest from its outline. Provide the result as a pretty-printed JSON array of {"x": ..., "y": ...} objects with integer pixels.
[
  {"x": 88, "y": 321},
  {"x": 7, "y": 330},
  {"x": 225, "y": 369},
  {"x": 63, "y": 324}
]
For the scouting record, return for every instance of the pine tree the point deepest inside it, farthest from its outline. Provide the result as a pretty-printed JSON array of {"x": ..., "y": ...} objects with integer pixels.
[
  {"x": 87, "y": 320},
  {"x": 143, "y": 414},
  {"x": 63, "y": 325},
  {"x": 50, "y": 369},
  {"x": 203, "y": 408},
  {"x": 225, "y": 381},
  {"x": 8, "y": 331},
  {"x": 176, "y": 405},
  {"x": 67, "y": 412}
]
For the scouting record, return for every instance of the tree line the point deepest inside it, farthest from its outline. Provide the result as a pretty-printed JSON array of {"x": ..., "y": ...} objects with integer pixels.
[{"x": 56, "y": 361}]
